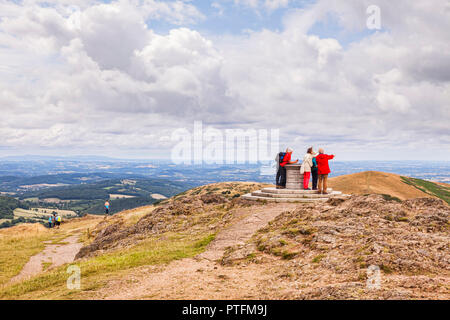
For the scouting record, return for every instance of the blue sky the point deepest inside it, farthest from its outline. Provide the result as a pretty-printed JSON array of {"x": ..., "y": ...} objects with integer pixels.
[
  {"x": 226, "y": 17},
  {"x": 232, "y": 18}
]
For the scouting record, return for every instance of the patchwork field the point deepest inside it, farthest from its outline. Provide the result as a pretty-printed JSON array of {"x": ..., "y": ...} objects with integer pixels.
[
  {"x": 120, "y": 196},
  {"x": 158, "y": 196},
  {"x": 42, "y": 213}
]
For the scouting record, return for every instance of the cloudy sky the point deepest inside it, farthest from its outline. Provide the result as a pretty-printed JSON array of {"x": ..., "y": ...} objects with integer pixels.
[{"x": 116, "y": 78}]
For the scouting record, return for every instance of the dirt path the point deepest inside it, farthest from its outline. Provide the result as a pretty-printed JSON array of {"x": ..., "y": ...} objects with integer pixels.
[
  {"x": 202, "y": 277},
  {"x": 54, "y": 255},
  {"x": 242, "y": 230}
]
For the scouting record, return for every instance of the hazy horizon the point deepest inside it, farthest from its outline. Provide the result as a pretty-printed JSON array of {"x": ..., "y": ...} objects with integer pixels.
[{"x": 79, "y": 157}]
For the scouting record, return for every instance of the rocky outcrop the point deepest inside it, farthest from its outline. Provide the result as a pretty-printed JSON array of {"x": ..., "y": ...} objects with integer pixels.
[
  {"x": 317, "y": 250},
  {"x": 174, "y": 215},
  {"x": 342, "y": 237}
]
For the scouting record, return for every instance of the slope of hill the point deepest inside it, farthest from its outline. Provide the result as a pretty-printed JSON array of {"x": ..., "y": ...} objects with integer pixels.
[
  {"x": 439, "y": 190},
  {"x": 370, "y": 182},
  {"x": 208, "y": 243}
]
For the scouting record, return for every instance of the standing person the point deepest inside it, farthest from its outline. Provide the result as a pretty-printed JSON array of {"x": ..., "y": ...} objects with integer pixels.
[
  {"x": 58, "y": 221},
  {"x": 323, "y": 170},
  {"x": 50, "y": 222},
  {"x": 314, "y": 173},
  {"x": 286, "y": 160},
  {"x": 279, "y": 158},
  {"x": 305, "y": 169},
  {"x": 106, "y": 207}
]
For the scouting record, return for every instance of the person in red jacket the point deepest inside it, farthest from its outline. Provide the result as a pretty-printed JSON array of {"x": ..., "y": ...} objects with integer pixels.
[
  {"x": 286, "y": 160},
  {"x": 323, "y": 170}
]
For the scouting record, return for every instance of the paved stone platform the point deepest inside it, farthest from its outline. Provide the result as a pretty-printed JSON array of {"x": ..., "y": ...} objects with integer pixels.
[{"x": 291, "y": 195}]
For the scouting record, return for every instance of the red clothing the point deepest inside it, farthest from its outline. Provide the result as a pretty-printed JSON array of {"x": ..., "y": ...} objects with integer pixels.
[
  {"x": 306, "y": 176},
  {"x": 322, "y": 163},
  {"x": 286, "y": 159}
]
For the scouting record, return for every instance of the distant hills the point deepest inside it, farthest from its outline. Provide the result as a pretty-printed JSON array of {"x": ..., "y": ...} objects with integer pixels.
[
  {"x": 53, "y": 158},
  {"x": 80, "y": 193},
  {"x": 369, "y": 182}
]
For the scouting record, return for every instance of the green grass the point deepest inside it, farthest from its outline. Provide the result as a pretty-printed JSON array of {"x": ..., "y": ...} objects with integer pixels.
[
  {"x": 46, "y": 265},
  {"x": 205, "y": 241},
  {"x": 318, "y": 258},
  {"x": 15, "y": 253},
  {"x": 96, "y": 271},
  {"x": 388, "y": 197},
  {"x": 287, "y": 255},
  {"x": 429, "y": 187}
]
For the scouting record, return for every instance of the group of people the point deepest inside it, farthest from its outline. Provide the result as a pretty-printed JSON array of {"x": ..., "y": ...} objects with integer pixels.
[
  {"x": 54, "y": 220},
  {"x": 313, "y": 164}
]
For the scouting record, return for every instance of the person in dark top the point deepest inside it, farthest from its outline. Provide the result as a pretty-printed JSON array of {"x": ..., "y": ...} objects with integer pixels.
[
  {"x": 286, "y": 160},
  {"x": 106, "y": 207},
  {"x": 314, "y": 173}
]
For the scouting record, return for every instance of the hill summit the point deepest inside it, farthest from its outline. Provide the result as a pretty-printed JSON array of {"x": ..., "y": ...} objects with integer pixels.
[
  {"x": 374, "y": 182},
  {"x": 210, "y": 243}
]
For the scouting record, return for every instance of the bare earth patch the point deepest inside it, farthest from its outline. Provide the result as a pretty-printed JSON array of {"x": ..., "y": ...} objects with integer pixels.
[
  {"x": 202, "y": 277},
  {"x": 52, "y": 256},
  {"x": 313, "y": 251}
]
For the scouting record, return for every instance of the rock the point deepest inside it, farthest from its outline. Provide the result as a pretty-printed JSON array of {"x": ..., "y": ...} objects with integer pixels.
[{"x": 213, "y": 198}]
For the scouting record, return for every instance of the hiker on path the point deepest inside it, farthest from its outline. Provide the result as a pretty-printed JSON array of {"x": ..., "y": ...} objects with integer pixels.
[
  {"x": 281, "y": 184},
  {"x": 50, "y": 222},
  {"x": 306, "y": 167},
  {"x": 323, "y": 170},
  {"x": 58, "y": 221},
  {"x": 106, "y": 207}
]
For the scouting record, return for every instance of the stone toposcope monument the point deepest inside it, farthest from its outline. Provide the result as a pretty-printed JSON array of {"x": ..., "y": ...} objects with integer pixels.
[
  {"x": 294, "y": 179},
  {"x": 294, "y": 191}
]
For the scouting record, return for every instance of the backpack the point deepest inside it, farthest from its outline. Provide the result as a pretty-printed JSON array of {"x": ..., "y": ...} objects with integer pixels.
[{"x": 281, "y": 157}]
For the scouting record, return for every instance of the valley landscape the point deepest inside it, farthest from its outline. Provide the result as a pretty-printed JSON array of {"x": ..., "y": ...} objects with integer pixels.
[
  {"x": 30, "y": 190},
  {"x": 208, "y": 243}
]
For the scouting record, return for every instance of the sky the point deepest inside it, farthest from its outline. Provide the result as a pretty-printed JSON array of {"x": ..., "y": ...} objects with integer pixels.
[{"x": 118, "y": 78}]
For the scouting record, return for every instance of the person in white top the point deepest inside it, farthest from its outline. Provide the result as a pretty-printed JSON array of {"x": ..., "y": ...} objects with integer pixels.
[{"x": 305, "y": 169}]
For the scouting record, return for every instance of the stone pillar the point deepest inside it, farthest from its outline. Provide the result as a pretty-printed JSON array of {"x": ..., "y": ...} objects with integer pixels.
[{"x": 294, "y": 180}]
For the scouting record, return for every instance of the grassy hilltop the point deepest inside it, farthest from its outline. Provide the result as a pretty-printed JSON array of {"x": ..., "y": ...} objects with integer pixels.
[
  {"x": 208, "y": 243},
  {"x": 370, "y": 182}
]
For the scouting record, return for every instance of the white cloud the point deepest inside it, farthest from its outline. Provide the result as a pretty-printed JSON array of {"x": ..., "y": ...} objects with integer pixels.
[
  {"x": 276, "y": 4},
  {"x": 111, "y": 82},
  {"x": 269, "y": 5}
]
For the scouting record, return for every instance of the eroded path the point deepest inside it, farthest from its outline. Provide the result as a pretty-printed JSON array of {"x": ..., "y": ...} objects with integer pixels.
[
  {"x": 52, "y": 256},
  {"x": 202, "y": 277}
]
